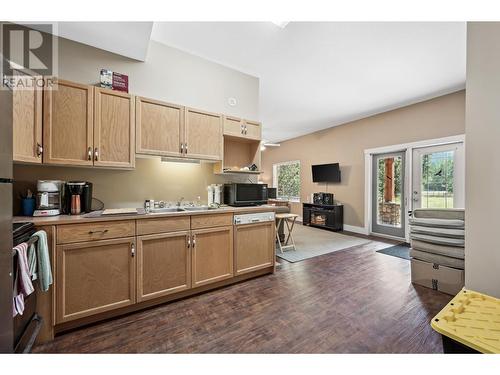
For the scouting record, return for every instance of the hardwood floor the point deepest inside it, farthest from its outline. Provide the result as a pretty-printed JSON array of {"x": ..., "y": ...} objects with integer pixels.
[{"x": 350, "y": 301}]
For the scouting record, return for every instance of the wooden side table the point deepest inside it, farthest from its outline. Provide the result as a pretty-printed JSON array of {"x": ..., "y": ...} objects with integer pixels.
[{"x": 290, "y": 222}]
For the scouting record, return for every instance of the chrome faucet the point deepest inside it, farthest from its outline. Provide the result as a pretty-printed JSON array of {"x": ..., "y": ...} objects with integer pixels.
[{"x": 179, "y": 202}]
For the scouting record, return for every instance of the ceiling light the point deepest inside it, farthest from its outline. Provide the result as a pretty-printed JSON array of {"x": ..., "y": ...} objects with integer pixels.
[
  {"x": 281, "y": 24},
  {"x": 265, "y": 143}
]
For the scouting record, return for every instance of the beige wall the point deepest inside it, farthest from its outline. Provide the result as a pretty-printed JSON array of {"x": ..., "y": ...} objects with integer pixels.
[
  {"x": 482, "y": 252},
  {"x": 167, "y": 74},
  {"x": 439, "y": 117},
  {"x": 151, "y": 179}
]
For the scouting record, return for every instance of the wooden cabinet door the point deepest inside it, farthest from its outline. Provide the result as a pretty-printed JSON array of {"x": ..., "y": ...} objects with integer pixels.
[
  {"x": 27, "y": 124},
  {"x": 252, "y": 130},
  {"x": 254, "y": 247},
  {"x": 163, "y": 264},
  {"x": 233, "y": 126},
  {"x": 68, "y": 124},
  {"x": 212, "y": 255},
  {"x": 203, "y": 135},
  {"x": 159, "y": 127},
  {"x": 94, "y": 277},
  {"x": 114, "y": 129}
]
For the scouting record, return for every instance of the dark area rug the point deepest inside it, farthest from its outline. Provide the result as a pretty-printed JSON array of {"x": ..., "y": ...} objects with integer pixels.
[{"x": 401, "y": 251}]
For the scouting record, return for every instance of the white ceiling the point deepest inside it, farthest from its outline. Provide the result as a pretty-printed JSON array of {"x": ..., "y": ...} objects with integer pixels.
[
  {"x": 314, "y": 75},
  {"x": 129, "y": 39}
]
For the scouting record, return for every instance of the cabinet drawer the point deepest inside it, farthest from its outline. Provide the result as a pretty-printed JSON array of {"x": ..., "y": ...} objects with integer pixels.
[
  {"x": 209, "y": 221},
  {"x": 162, "y": 225},
  {"x": 95, "y": 231}
]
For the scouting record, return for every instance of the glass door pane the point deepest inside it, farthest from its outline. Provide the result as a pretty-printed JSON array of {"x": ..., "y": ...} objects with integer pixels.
[
  {"x": 437, "y": 179},
  {"x": 388, "y": 194},
  {"x": 389, "y": 191}
]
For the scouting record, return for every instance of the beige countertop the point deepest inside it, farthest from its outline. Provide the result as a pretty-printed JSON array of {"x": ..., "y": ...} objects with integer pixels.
[{"x": 75, "y": 219}]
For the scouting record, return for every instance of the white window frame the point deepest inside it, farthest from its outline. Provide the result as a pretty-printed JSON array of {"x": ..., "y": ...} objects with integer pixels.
[{"x": 275, "y": 176}]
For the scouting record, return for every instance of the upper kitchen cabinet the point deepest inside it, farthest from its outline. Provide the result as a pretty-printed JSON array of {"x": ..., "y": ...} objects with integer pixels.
[
  {"x": 160, "y": 127},
  {"x": 68, "y": 124},
  {"x": 233, "y": 126},
  {"x": 237, "y": 127},
  {"x": 27, "y": 124},
  {"x": 114, "y": 129},
  {"x": 252, "y": 130},
  {"x": 203, "y": 135}
]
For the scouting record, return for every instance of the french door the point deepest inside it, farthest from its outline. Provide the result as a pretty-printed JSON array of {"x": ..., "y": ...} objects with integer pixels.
[
  {"x": 438, "y": 178},
  {"x": 388, "y": 194}
]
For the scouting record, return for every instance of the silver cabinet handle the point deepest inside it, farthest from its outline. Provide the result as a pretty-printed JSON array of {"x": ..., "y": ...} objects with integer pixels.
[
  {"x": 242, "y": 127},
  {"x": 182, "y": 148},
  {"x": 89, "y": 153},
  {"x": 98, "y": 231},
  {"x": 188, "y": 240},
  {"x": 39, "y": 149},
  {"x": 246, "y": 130},
  {"x": 194, "y": 240},
  {"x": 132, "y": 249},
  {"x": 96, "y": 154},
  {"x": 186, "y": 148}
]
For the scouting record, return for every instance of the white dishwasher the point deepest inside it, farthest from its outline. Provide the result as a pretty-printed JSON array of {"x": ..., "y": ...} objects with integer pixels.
[
  {"x": 253, "y": 218},
  {"x": 254, "y": 243}
]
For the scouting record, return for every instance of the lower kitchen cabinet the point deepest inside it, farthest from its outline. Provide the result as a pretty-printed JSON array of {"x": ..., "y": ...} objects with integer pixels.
[
  {"x": 94, "y": 277},
  {"x": 254, "y": 246},
  {"x": 212, "y": 255},
  {"x": 163, "y": 264}
]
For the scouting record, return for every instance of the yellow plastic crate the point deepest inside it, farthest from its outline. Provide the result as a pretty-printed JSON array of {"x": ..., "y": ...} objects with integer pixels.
[{"x": 472, "y": 319}]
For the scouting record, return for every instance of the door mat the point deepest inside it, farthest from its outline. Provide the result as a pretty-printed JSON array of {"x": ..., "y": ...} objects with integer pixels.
[{"x": 401, "y": 251}]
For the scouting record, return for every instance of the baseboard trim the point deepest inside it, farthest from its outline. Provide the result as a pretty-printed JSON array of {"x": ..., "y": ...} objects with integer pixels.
[{"x": 355, "y": 229}]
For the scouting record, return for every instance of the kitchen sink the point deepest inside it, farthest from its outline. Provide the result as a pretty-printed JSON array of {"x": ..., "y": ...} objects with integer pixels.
[
  {"x": 196, "y": 208},
  {"x": 178, "y": 209},
  {"x": 166, "y": 209}
]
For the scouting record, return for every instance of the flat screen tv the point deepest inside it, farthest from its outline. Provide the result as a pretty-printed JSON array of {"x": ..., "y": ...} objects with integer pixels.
[{"x": 326, "y": 172}]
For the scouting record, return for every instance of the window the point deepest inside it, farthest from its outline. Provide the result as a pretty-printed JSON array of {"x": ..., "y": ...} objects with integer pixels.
[{"x": 286, "y": 178}]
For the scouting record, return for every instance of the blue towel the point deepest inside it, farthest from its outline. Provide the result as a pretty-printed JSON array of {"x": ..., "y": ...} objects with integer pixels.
[{"x": 44, "y": 269}]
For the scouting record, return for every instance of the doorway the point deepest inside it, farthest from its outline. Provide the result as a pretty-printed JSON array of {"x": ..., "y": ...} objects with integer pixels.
[
  {"x": 388, "y": 194},
  {"x": 438, "y": 178}
]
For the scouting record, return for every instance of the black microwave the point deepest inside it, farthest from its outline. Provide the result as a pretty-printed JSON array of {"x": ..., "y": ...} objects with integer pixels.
[{"x": 245, "y": 194}]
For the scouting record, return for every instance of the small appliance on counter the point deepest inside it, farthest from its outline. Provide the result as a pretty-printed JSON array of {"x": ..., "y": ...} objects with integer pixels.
[
  {"x": 271, "y": 193},
  {"x": 75, "y": 190},
  {"x": 49, "y": 198},
  {"x": 78, "y": 197},
  {"x": 237, "y": 194},
  {"x": 214, "y": 194},
  {"x": 323, "y": 198}
]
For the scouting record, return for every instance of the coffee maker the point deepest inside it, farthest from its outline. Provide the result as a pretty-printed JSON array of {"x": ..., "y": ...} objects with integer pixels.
[
  {"x": 49, "y": 198},
  {"x": 78, "y": 197}
]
